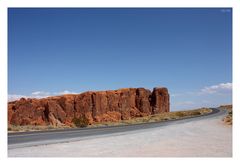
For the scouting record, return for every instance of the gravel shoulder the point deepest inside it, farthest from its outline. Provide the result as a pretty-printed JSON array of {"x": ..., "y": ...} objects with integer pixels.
[{"x": 201, "y": 138}]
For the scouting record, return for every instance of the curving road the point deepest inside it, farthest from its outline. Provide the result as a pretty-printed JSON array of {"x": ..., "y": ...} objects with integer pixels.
[{"x": 27, "y": 139}]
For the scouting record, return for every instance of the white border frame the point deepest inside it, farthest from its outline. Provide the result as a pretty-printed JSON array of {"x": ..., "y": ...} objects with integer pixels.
[{"x": 4, "y": 4}]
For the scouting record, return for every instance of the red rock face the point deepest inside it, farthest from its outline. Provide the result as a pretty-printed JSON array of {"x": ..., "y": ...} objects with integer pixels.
[
  {"x": 101, "y": 106},
  {"x": 160, "y": 100}
]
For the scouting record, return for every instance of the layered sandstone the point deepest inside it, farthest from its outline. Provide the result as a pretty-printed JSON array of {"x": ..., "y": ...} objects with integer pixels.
[{"x": 96, "y": 106}]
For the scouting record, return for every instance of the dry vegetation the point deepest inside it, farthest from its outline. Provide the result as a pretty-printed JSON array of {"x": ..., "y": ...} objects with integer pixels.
[
  {"x": 227, "y": 119},
  {"x": 26, "y": 128},
  {"x": 225, "y": 107},
  {"x": 158, "y": 117},
  {"x": 153, "y": 118}
]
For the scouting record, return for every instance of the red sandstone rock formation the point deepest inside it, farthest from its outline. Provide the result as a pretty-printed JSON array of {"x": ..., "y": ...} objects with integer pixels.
[{"x": 101, "y": 106}]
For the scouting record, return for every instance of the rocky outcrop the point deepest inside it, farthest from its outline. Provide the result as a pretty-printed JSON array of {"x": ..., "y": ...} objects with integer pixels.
[{"x": 99, "y": 106}]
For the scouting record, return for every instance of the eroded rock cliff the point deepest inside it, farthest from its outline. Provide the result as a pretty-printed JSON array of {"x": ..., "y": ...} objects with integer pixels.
[{"x": 96, "y": 106}]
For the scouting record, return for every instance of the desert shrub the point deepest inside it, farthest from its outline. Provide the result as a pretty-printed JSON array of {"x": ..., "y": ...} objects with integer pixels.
[
  {"x": 196, "y": 113},
  {"x": 81, "y": 121},
  {"x": 179, "y": 114}
]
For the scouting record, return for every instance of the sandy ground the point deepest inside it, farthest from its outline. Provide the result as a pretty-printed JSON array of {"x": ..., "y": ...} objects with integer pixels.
[{"x": 202, "y": 138}]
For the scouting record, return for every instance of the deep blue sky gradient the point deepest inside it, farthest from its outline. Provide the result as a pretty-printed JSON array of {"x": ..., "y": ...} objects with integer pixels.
[{"x": 97, "y": 49}]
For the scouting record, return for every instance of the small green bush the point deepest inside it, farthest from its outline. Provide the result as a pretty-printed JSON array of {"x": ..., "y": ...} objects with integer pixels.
[{"x": 81, "y": 121}]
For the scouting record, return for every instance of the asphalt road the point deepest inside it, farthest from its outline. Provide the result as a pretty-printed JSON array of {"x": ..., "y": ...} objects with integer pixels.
[{"x": 26, "y": 139}]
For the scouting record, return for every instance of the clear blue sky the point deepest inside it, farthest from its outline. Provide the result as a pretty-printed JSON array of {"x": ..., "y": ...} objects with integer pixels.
[{"x": 189, "y": 51}]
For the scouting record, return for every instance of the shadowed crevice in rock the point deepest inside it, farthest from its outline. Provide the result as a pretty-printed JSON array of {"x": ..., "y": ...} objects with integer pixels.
[{"x": 96, "y": 106}]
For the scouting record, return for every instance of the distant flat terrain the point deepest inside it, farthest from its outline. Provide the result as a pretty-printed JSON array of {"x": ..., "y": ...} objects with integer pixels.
[{"x": 203, "y": 137}]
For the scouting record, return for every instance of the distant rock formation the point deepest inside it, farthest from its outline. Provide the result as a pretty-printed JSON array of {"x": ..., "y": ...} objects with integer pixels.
[{"x": 96, "y": 106}]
